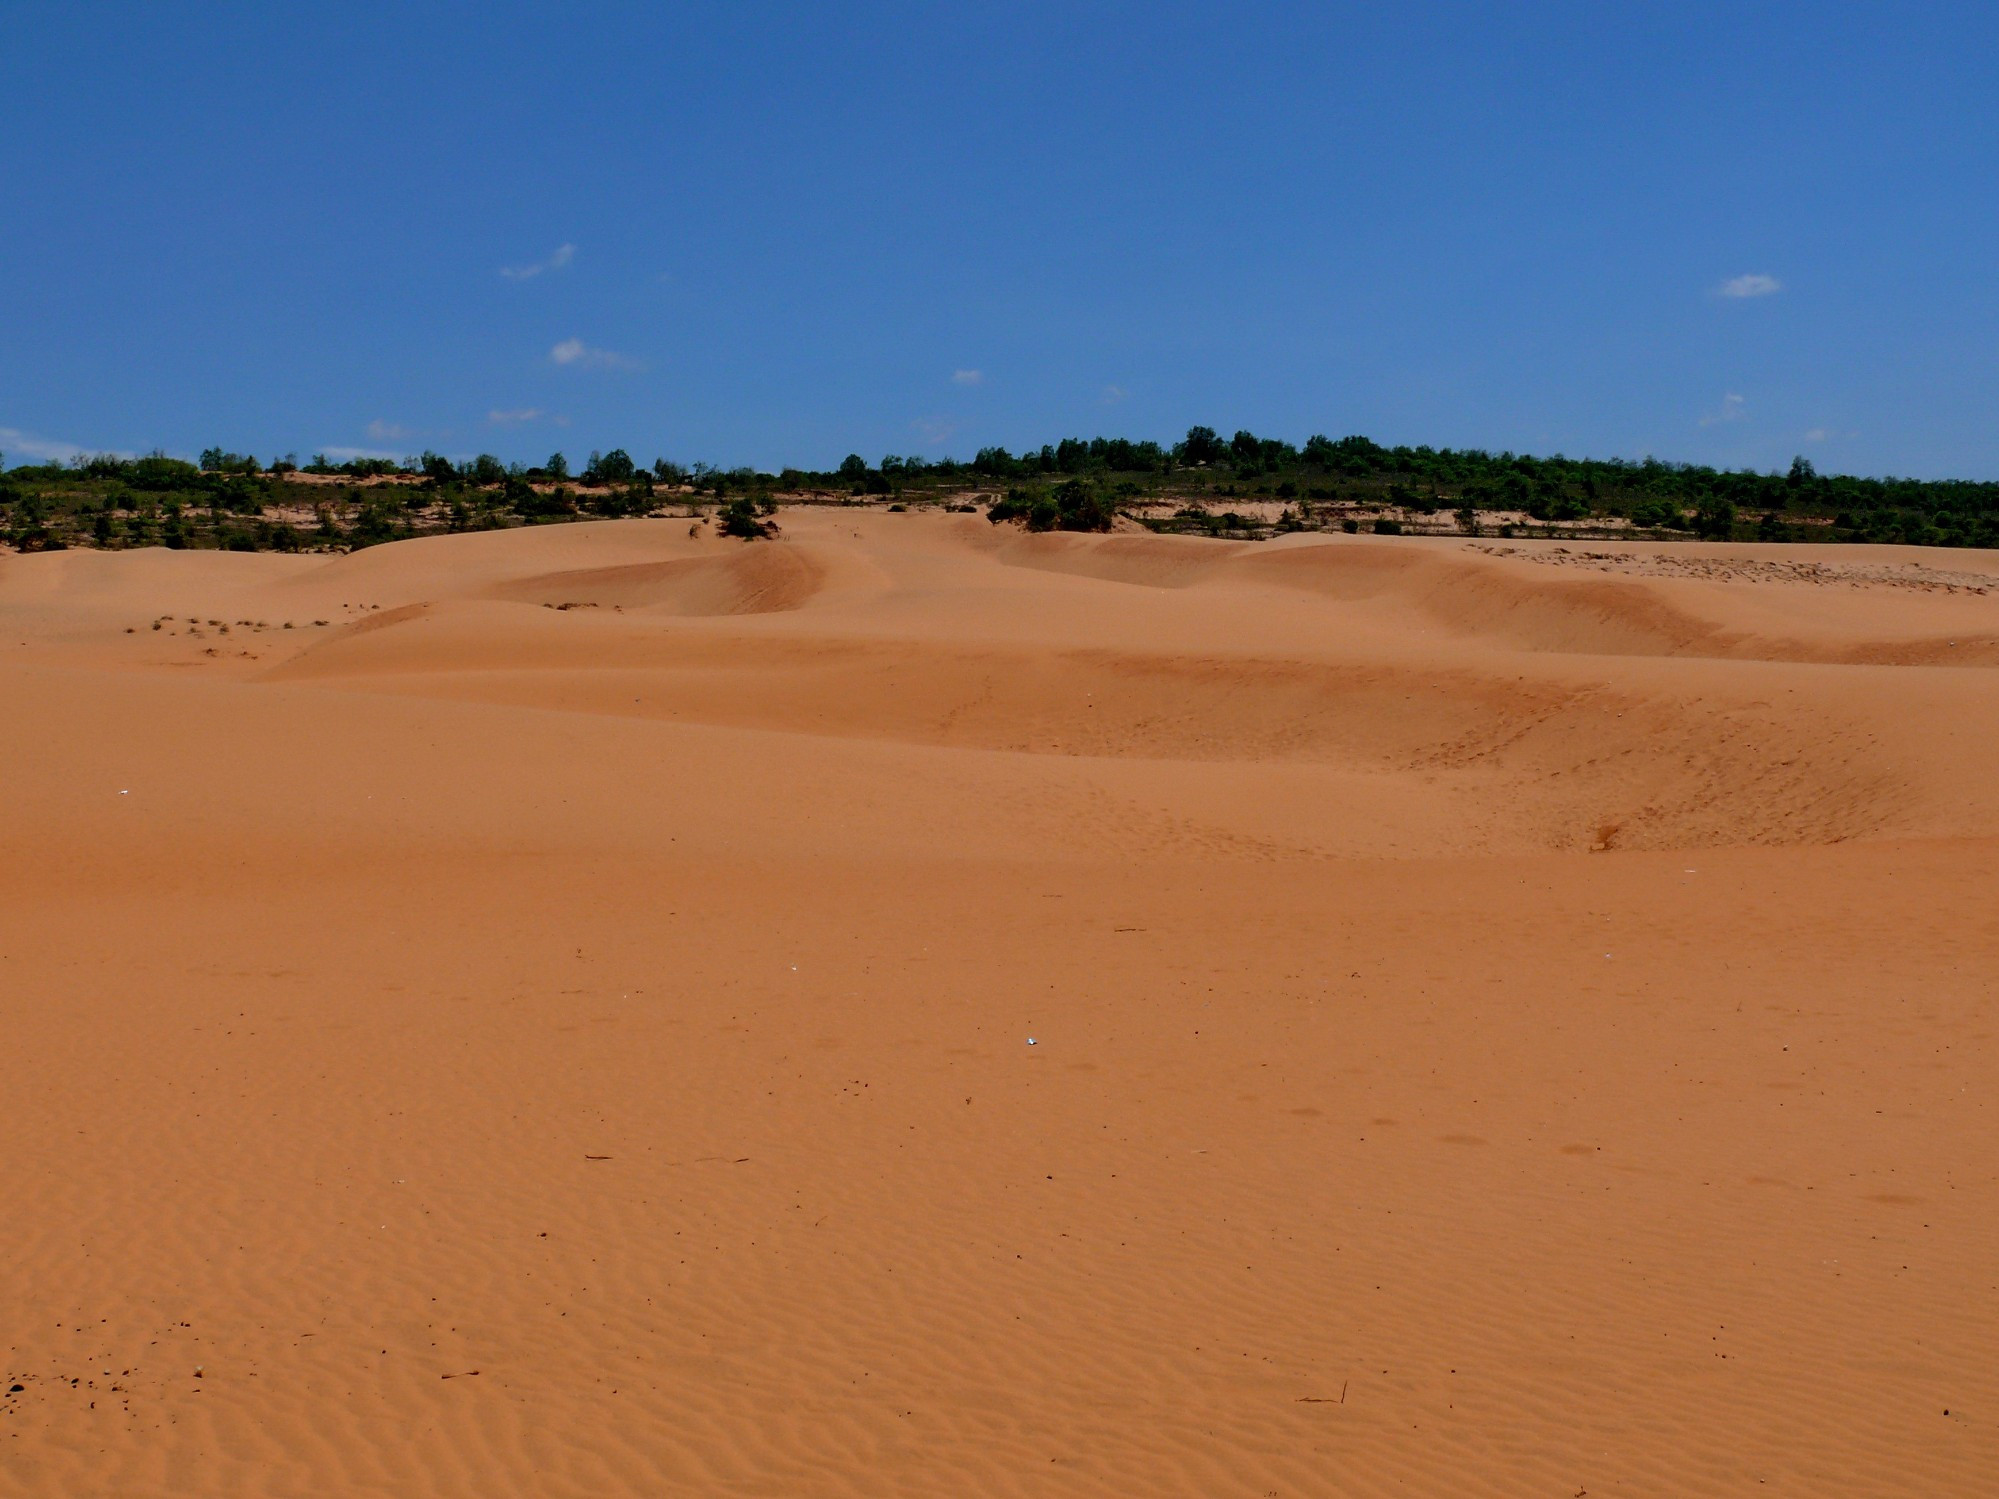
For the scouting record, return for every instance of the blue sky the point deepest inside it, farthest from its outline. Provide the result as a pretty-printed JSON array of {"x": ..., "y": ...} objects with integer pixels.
[{"x": 773, "y": 234}]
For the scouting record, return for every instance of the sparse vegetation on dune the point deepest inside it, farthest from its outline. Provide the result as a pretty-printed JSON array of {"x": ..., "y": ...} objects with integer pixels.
[{"x": 1242, "y": 486}]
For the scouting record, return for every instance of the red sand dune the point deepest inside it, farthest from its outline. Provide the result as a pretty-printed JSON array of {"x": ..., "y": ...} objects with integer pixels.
[{"x": 1501, "y": 1023}]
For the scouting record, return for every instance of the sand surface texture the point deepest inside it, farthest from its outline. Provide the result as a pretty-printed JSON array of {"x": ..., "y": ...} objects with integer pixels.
[{"x": 915, "y": 1009}]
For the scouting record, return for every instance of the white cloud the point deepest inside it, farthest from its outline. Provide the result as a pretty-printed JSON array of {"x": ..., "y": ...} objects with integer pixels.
[
  {"x": 1819, "y": 434},
  {"x": 968, "y": 377},
  {"x": 934, "y": 430},
  {"x": 562, "y": 256},
  {"x": 522, "y": 414},
  {"x": 1752, "y": 286},
  {"x": 573, "y": 351},
  {"x": 382, "y": 431},
  {"x": 18, "y": 444},
  {"x": 1113, "y": 394},
  {"x": 1733, "y": 409}
]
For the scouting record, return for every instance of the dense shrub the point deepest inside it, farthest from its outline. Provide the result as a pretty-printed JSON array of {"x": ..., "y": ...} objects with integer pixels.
[
  {"x": 1074, "y": 505},
  {"x": 747, "y": 518}
]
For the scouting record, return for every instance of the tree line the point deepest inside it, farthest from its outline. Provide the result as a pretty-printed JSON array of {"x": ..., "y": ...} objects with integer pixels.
[{"x": 228, "y": 499}]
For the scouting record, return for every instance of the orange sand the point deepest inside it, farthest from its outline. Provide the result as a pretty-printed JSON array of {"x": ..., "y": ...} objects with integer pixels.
[{"x": 1499, "y": 1028}]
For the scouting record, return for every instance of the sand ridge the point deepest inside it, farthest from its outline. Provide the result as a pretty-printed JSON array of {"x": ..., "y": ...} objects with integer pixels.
[{"x": 547, "y": 1012}]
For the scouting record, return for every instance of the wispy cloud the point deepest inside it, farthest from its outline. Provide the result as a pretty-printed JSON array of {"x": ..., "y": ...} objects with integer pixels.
[
  {"x": 382, "y": 431},
  {"x": 1751, "y": 286},
  {"x": 1819, "y": 434},
  {"x": 18, "y": 444},
  {"x": 341, "y": 455},
  {"x": 1732, "y": 409},
  {"x": 576, "y": 354},
  {"x": 555, "y": 262},
  {"x": 501, "y": 418},
  {"x": 968, "y": 377},
  {"x": 934, "y": 430},
  {"x": 1112, "y": 394}
]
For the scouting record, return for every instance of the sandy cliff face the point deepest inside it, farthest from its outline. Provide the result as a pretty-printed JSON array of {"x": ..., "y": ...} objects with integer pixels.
[{"x": 548, "y": 1012}]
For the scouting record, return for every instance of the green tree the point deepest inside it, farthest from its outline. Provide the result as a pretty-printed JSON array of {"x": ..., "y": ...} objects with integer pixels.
[
  {"x": 1714, "y": 520},
  {"x": 614, "y": 467},
  {"x": 1202, "y": 446}
]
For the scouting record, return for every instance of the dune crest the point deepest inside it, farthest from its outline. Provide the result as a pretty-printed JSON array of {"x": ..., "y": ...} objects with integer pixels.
[{"x": 1367, "y": 661}]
